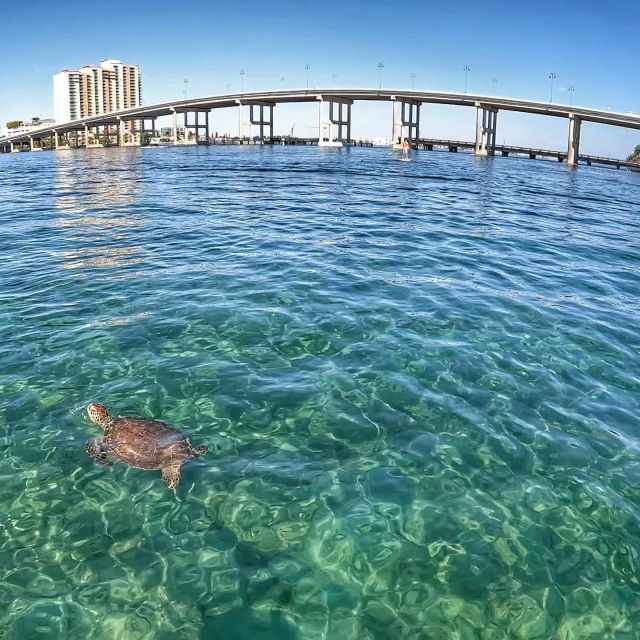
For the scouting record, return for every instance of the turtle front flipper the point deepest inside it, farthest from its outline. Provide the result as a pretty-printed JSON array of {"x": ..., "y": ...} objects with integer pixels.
[
  {"x": 198, "y": 451},
  {"x": 171, "y": 476},
  {"x": 97, "y": 450}
]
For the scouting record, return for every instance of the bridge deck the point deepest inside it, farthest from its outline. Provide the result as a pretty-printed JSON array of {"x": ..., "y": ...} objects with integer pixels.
[{"x": 601, "y": 116}]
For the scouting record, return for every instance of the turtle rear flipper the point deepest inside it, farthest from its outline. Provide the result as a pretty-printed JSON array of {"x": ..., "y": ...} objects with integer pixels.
[
  {"x": 98, "y": 452},
  {"x": 171, "y": 475}
]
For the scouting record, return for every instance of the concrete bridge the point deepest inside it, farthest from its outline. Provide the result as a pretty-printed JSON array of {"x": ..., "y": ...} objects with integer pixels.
[{"x": 334, "y": 116}]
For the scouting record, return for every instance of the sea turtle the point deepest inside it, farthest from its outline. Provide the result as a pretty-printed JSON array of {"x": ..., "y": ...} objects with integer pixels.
[{"x": 140, "y": 443}]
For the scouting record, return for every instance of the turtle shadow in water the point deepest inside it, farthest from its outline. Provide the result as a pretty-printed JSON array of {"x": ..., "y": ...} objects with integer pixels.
[{"x": 241, "y": 624}]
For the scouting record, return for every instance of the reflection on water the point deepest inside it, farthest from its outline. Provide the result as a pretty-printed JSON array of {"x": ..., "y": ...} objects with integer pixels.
[
  {"x": 419, "y": 383},
  {"x": 106, "y": 322},
  {"x": 94, "y": 180},
  {"x": 98, "y": 193},
  {"x": 99, "y": 257}
]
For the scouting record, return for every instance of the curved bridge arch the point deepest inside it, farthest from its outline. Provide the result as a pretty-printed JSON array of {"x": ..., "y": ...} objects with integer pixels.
[{"x": 487, "y": 108}]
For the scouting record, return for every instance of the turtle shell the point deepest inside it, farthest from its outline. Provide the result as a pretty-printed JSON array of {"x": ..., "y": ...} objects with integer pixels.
[{"x": 147, "y": 444}]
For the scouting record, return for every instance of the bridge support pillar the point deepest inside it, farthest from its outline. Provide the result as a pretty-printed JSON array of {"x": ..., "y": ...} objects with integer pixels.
[
  {"x": 573, "y": 152},
  {"x": 257, "y": 117},
  {"x": 321, "y": 123},
  {"x": 106, "y": 135},
  {"x": 56, "y": 141},
  {"x": 144, "y": 129},
  {"x": 31, "y": 144},
  {"x": 114, "y": 133},
  {"x": 240, "y": 123},
  {"x": 124, "y": 132},
  {"x": 340, "y": 115},
  {"x": 406, "y": 124},
  {"x": 486, "y": 121},
  {"x": 196, "y": 125},
  {"x": 174, "y": 126},
  {"x": 95, "y": 131}
]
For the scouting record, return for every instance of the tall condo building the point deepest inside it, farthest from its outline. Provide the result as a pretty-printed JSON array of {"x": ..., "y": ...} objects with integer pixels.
[
  {"x": 92, "y": 91},
  {"x": 66, "y": 95}
]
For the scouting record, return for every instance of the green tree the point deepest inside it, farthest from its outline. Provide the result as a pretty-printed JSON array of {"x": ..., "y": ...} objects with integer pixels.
[
  {"x": 635, "y": 156},
  {"x": 14, "y": 124}
]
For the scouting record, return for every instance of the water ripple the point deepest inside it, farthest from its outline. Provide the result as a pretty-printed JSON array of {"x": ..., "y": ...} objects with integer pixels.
[{"x": 419, "y": 383}]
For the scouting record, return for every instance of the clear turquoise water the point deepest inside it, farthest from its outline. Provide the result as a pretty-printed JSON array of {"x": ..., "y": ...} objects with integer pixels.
[{"x": 419, "y": 383}]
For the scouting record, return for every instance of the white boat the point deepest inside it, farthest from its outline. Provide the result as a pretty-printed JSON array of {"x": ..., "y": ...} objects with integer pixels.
[{"x": 160, "y": 142}]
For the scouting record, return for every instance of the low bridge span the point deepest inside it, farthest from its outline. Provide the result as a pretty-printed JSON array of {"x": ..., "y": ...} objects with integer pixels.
[
  {"x": 335, "y": 120},
  {"x": 429, "y": 144}
]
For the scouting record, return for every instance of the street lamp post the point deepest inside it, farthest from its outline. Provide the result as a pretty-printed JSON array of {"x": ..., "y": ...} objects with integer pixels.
[
  {"x": 380, "y": 68},
  {"x": 186, "y": 90},
  {"x": 571, "y": 90},
  {"x": 334, "y": 78},
  {"x": 282, "y": 82},
  {"x": 552, "y": 77},
  {"x": 241, "y": 81},
  {"x": 466, "y": 70},
  {"x": 494, "y": 82},
  {"x": 413, "y": 80},
  {"x": 306, "y": 68}
]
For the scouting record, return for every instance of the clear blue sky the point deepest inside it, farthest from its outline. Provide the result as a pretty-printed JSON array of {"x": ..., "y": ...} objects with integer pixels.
[{"x": 589, "y": 44}]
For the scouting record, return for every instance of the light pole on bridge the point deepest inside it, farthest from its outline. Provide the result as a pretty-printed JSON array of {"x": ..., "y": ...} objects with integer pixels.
[
  {"x": 552, "y": 77},
  {"x": 334, "y": 77},
  {"x": 306, "y": 68},
  {"x": 380, "y": 68},
  {"x": 571, "y": 90},
  {"x": 413, "y": 80},
  {"x": 282, "y": 83},
  {"x": 186, "y": 90},
  {"x": 241, "y": 81},
  {"x": 494, "y": 82},
  {"x": 466, "y": 70}
]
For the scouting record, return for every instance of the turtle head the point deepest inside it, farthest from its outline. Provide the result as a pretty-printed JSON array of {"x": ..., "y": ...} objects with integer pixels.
[{"x": 98, "y": 414}]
